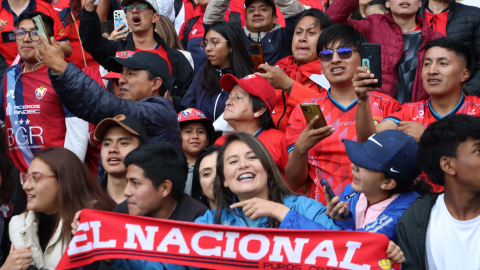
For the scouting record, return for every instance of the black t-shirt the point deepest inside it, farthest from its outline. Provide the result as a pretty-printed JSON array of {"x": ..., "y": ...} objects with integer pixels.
[
  {"x": 46, "y": 225},
  {"x": 407, "y": 66}
]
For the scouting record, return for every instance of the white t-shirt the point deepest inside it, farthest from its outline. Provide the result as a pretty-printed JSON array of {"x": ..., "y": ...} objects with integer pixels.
[{"x": 452, "y": 244}]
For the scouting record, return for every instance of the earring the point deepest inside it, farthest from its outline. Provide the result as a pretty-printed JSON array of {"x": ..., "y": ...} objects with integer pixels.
[
  {"x": 256, "y": 114},
  {"x": 224, "y": 184}
]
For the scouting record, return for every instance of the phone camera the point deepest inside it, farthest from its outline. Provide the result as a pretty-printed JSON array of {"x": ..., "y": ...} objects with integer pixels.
[{"x": 370, "y": 56}]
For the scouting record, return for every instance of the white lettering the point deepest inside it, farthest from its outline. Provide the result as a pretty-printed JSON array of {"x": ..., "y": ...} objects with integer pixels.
[
  {"x": 216, "y": 251},
  {"x": 347, "y": 260},
  {"x": 174, "y": 237},
  {"x": 95, "y": 225},
  {"x": 24, "y": 136},
  {"x": 36, "y": 135},
  {"x": 146, "y": 243},
  {"x": 319, "y": 251},
  {"x": 293, "y": 255},
  {"x": 72, "y": 248},
  {"x": 229, "y": 253},
  {"x": 264, "y": 246},
  {"x": 10, "y": 137}
]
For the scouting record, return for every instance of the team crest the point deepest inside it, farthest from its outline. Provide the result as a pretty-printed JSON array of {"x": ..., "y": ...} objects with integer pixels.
[
  {"x": 385, "y": 264},
  {"x": 377, "y": 120},
  {"x": 61, "y": 32},
  {"x": 40, "y": 92},
  {"x": 249, "y": 76}
]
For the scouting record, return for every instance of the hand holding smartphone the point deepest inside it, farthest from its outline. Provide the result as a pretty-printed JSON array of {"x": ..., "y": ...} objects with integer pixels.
[
  {"x": 324, "y": 183},
  {"x": 310, "y": 110},
  {"x": 41, "y": 30},
  {"x": 120, "y": 18},
  {"x": 371, "y": 56},
  {"x": 257, "y": 56}
]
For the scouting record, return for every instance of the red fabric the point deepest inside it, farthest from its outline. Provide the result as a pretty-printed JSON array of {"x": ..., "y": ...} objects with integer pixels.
[
  {"x": 437, "y": 22},
  {"x": 162, "y": 53},
  {"x": 105, "y": 235},
  {"x": 302, "y": 89},
  {"x": 9, "y": 50},
  {"x": 58, "y": 5},
  {"x": 384, "y": 30},
  {"x": 328, "y": 159},
  {"x": 77, "y": 56}
]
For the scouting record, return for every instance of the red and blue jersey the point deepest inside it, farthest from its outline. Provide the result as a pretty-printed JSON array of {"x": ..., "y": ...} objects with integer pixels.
[{"x": 328, "y": 159}]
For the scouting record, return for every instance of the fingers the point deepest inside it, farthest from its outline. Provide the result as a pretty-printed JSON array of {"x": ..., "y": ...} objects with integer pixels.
[
  {"x": 391, "y": 247},
  {"x": 238, "y": 204},
  {"x": 328, "y": 198},
  {"x": 119, "y": 27},
  {"x": 12, "y": 248}
]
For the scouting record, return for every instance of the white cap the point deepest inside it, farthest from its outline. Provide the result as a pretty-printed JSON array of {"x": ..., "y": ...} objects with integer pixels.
[{"x": 152, "y": 3}]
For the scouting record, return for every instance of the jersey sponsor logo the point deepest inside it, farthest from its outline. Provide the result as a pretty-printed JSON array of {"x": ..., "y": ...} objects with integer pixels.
[
  {"x": 420, "y": 115},
  {"x": 377, "y": 119},
  {"x": 11, "y": 93},
  {"x": 194, "y": 31},
  {"x": 471, "y": 112},
  {"x": 347, "y": 123},
  {"x": 40, "y": 92},
  {"x": 24, "y": 135},
  {"x": 22, "y": 109}
]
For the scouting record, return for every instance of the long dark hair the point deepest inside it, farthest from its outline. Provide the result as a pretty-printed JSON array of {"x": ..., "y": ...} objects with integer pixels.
[
  {"x": 240, "y": 61},
  {"x": 6, "y": 168},
  {"x": 77, "y": 189},
  {"x": 75, "y": 7},
  {"x": 276, "y": 185},
  {"x": 196, "y": 187}
]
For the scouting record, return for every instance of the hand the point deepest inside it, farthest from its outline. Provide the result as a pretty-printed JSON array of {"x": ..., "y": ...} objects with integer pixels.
[
  {"x": 394, "y": 253},
  {"x": 167, "y": 96},
  {"x": 52, "y": 55},
  {"x": 89, "y": 5},
  {"x": 76, "y": 222},
  {"x": 256, "y": 207},
  {"x": 311, "y": 136},
  {"x": 117, "y": 34},
  {"x": 277, "y": 78},
  {"x": 335, "y": 209},
  {"x": 362, "y": 78},
  {"x": 413, "y": 129},
  {"x": 2, "y": 24},
  {"x": 19, "y": 259}
]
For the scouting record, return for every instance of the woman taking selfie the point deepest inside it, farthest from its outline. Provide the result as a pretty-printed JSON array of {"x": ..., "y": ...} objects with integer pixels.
[
  {"x": 226, "y": 54},
  {"x": 57, "y": 185}
]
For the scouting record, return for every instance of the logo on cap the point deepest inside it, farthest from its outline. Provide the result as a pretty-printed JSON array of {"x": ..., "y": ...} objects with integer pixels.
[
  {"x": 120, "y": 117},
  {"x": 187, "y": 112},
  {"x": 249, "y": 76}
]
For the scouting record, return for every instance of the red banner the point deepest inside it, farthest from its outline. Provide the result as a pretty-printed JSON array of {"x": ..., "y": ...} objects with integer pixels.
[{"x": 104, "y": 235}]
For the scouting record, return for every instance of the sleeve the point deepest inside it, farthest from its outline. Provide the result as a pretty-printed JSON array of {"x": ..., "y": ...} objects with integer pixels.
[
  {"x": 180, "y": 19},
  {"x": 77, "y": 135},
  {"x": 185, "y": 76},
  {"x": 3, "y": 66},
  {"x": 340, "y": 11},
  {"x": 282, "y": 153},
  {"x": 390, "y": 107},
  {"x": 295, "y": 221},
  {"x": 400, "y": 114},
  {"x": 98, "y": 47},
  {"x": 314, "y": 210},
  {"x": 189, "y": 100},
  {"x": 409, "y": 242},
  {"x": 289, "y": 8},
  {"x": 296, "y": 124},
  {"x": 215, "y": 11},
  {"x": 60, "y": 32},
  {"x": 386, "y": 224},
  {"x": 207, "y": 218}
]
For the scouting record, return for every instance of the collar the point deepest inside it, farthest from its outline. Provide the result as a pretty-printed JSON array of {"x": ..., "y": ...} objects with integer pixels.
[
  {"x": 428, "y": 10},
  {"x": 257, "y": 36},
  {"x": 454, "y": 111},
  {"x": 339, "y": 106},
  {"x": 22, "y": 66},
  {"x": 31, "y": 6},
  {"x": 258, "y": 132}
]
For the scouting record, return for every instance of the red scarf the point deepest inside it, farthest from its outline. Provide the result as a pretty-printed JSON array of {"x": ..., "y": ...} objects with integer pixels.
[
  {"x": 302, "y": 73},
  {"x": 106, "y": 235}
]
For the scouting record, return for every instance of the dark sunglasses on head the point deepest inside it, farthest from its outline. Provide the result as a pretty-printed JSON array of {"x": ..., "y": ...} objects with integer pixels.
[{"x": 343, "y": 53}]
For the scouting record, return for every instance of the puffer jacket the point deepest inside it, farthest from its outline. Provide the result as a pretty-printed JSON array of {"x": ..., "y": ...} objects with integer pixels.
[
  {"x": 23, "y": 231},
  {"x": 88, "y": 100},
  {"x": 101, "y": 49},
  {"x": 463, "y": 24},
  {"x": 384, "y": 30}
]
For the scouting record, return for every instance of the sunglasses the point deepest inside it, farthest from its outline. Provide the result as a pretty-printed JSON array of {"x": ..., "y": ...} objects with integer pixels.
[
  {"x": 343, "y": 53},
  {"x": 140, "y": 7}
]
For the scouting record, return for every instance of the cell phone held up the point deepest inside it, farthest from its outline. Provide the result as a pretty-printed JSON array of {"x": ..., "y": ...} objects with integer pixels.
[
  {"x": 119, "y": 18},
  {"x": 324, "y": 183},
  {"x": 257, "y": 56},
  {"x": 371, "y": 55},
  {"x": 41, "y": 30},
  {"x": 310, "y": 110}
]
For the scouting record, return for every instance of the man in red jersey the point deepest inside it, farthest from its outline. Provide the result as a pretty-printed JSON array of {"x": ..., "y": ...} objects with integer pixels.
[
  {"x": 10, "y": 11},
  {"x": 316, "y": 154}
]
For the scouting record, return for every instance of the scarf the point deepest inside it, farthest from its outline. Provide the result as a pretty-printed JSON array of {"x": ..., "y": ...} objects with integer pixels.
[{"x": 300, "y": 73}]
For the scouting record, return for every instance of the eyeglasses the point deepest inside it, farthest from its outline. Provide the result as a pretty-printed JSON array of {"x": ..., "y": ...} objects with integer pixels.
[
  {"x": 212, "y": 44},
  {"x": 34, "y": 177},
  {"x": 20, "y": 34},
  {"x": 140, "y": 7},
  {"x": 343, "y": 53}
]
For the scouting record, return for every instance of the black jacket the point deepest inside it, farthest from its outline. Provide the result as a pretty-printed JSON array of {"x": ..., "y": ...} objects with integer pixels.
[
  {"x": 412, "y": 232},
  {"x": 101, "y": 49},
  {"x": 88, "y": 100},
  {"x": 463, "y": 24}
]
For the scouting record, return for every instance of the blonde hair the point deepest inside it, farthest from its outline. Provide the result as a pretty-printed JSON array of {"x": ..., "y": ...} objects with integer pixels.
[{"x": 166, "y": 30}]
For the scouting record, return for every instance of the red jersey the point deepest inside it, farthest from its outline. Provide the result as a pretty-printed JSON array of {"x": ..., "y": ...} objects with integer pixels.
[
  {"x": 437, "y": 22},
  {"x": 274, "y": 141},
  {"x": 77, "y": 56},
  {"x": 8, "y": 48},
  {"x": 328, "y": 159}
]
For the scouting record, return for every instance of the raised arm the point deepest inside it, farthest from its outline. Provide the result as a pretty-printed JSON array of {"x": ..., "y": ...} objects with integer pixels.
[
  {"x": 215, "y": 11},
  {"x": 340, "y": 11}
]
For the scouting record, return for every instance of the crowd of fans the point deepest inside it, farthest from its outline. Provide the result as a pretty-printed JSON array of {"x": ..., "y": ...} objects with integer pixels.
[{"x": 168, "y": 119}]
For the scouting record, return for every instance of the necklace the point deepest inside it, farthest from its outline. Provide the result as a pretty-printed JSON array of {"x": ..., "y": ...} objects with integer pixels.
[{"x": 33, "y": 66}]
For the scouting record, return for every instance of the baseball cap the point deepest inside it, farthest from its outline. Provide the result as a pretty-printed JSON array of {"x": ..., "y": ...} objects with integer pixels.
[
  {"x": 142, "y": 60},
  {"x": 131, "y": 124},
  {"x": 152, "y": 3},
  {"x": 254, "y": 85},
  {"x": 112, "y": 75},
  {"x": 391, "y": 151},
  {"x": 193, "y": 114},
  {"x": 269, "y": 2}
]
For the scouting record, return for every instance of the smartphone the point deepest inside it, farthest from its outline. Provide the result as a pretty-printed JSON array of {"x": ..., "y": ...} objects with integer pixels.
[
  {"x": 37, "y": 20},
  {"x": 257, "y": 56},
  {"x": 310, "y": 110},
  {"x": 324, "y": 183},
  {"x": 120, "y": 18},
  {"x": 371, "y": 55},
  {"x": 8, "y": 36}
]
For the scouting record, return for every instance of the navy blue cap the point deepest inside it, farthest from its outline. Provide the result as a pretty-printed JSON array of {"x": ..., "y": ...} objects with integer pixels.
[{"x": 391, "y": 151}]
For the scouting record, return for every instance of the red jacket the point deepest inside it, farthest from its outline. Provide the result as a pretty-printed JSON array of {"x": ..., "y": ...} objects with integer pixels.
[{"x": 384, "y": 30}]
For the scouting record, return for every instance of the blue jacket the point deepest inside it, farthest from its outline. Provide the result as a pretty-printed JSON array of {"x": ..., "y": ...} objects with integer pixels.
[
  {"x": 196, "y": 97},
  {"x": 88, "y": 100},
  {"x": 308, "y": 209},
  {"x": 386, "y": 222}
]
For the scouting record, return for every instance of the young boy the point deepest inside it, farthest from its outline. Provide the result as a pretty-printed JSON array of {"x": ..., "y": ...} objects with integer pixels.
[{"x": 197, "y": 133}]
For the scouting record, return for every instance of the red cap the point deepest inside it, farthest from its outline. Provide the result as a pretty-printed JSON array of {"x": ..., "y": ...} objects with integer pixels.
[
  {"x": 191, "y": 114},
  {"x": 254, "y": 85},
  {"x": 112, "y": 75}
]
